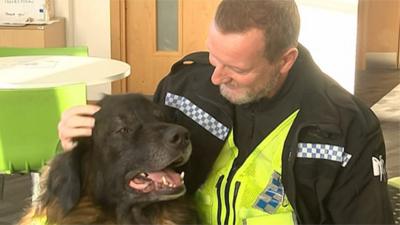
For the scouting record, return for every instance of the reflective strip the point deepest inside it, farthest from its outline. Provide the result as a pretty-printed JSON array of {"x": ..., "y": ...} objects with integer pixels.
[
  {"x": 346, "y": 159},
  {"x": 378, "y": 166},
  {"x": 271, "y": 198},
  {"x": 198, "y": 115},
  {"x": 323, "y": 151}
]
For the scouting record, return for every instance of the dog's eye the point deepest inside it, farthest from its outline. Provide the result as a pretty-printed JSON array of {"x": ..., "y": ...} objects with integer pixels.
[{"x": 124, "y": 130}]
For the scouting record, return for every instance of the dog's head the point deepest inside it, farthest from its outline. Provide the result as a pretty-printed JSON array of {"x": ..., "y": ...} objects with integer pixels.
[
  {"x": 128, "y": 161},
  {"x": 136, "y": 149}
]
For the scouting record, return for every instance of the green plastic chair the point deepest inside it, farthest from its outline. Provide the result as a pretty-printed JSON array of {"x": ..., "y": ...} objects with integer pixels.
[
  {"x": 38, "y": 110},
  {"x": 71, "y": 51},
  {"x": 28, "y": 130},
  {"x": 13, "y": 159}
]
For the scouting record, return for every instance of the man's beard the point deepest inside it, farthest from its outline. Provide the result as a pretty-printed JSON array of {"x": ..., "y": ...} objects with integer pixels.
[{"x": 250, "y": 95}]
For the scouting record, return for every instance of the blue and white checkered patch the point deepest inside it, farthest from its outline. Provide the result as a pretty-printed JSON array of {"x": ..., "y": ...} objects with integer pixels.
[
  {"x": 198, "y": 115},
  {"x": 323, "y": 151},
  {"x": 272, "y": 197}
]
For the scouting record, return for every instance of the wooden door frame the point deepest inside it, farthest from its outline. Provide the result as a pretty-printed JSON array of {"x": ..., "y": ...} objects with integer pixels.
[
  {"x": 398, "y": 48},
  {"x": 362, "y": 14},
  {"x": 118, "y": 39}
]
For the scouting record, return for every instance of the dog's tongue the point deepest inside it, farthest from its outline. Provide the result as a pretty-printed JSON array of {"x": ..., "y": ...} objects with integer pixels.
[{"x": 157, "y": 180}]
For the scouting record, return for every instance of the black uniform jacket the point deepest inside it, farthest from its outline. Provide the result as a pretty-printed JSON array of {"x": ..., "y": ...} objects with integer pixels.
[{"x": 320, "y": 190}]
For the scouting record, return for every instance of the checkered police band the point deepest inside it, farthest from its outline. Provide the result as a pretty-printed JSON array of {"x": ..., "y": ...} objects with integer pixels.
[
  {"x": 323, "y": 151},
  {"x": 198, "y": 115}
]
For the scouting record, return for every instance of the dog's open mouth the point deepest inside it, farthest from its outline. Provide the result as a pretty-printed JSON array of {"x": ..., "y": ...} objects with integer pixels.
[
  {"x": 165, "y": 181},
  {"x": 162, "y": 182}
]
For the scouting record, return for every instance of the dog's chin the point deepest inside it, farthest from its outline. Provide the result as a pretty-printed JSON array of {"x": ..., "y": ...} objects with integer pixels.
[{"x": 168, "y": 194}]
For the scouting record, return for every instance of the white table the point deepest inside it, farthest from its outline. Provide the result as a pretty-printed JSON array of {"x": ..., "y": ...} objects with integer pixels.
[{"x": 51, "y": 71}]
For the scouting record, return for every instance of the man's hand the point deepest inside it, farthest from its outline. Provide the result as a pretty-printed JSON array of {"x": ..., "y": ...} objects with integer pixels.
[{"x": 75, "y": 122}]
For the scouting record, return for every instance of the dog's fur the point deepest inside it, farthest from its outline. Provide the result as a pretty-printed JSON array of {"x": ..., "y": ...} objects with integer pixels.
[{"x": 92, "y": 184}]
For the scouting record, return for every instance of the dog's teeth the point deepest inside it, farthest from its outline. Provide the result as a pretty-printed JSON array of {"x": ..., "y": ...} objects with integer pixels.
[
  {"x": 144, "y": 174},
  {"x": 164, "y": 181},
  {"x": 170, "y": 185},
  {"x": 182, "y": 175}
]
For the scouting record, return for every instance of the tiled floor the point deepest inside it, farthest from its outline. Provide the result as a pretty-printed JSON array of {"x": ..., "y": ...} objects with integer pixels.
[{"x": 371, "y": 86}]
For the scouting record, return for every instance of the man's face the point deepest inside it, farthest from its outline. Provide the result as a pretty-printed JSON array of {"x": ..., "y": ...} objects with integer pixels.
[{"x": 242, "y": 72}]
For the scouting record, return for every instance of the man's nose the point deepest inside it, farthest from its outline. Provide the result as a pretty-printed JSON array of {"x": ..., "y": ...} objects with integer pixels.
[{"x": 219, "y": 76}]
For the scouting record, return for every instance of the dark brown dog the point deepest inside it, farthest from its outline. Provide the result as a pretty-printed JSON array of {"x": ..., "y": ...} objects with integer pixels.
[{"x": 122, "y": 174}]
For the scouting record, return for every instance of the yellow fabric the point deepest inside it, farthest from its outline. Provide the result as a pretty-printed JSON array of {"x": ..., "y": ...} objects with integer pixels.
[
  {"x": 276, "y": 219},
  {"x": 39, "y": 221},
  {"x": 395, "y": 182},
  {"x": 254, "y": 176}
]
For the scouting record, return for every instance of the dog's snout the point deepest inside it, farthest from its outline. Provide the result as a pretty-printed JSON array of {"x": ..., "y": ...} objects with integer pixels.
[{"x": 177, "y": 137}]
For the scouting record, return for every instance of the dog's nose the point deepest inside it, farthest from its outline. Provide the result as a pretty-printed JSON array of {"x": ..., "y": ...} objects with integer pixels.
[{"x": 177, "y": 136}]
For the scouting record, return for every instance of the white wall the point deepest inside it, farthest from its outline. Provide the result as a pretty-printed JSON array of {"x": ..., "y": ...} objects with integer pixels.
[
  {"x": 88, "y": 24},
  {"x": 329, "y": 31}
]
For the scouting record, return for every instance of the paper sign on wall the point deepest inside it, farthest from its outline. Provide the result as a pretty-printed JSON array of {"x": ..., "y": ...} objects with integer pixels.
[{"x": 26, "y": 11}]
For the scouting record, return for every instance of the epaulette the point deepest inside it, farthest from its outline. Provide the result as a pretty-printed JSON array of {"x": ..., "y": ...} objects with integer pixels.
[{"x": 193, "y": 58}]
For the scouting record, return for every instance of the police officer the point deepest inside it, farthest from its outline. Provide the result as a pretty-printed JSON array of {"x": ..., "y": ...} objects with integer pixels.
[{"x": 275, "y": 140}]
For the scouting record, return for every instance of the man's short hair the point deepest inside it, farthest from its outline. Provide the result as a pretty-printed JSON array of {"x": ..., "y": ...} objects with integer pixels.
[{"x": 278, "y": 19}]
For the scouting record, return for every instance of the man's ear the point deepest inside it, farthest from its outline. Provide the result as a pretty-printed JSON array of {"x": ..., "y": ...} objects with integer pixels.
[
  {"x": 64, "y": 181},
  {"x": 288, "y": 59}
]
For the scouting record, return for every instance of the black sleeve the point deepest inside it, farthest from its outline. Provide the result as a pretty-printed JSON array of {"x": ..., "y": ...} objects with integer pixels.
[
  {"x": 330, "y": 193},
  {"x": 359, "y": 196}
]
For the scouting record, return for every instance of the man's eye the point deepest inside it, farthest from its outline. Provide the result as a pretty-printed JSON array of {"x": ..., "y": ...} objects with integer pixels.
[{"x": 239, "y": 71}]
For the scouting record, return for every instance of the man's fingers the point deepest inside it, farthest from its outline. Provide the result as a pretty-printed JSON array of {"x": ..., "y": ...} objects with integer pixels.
[
  {"x": 80, "y": 110},
  {"x": 75, "y": 122},
  {"x": 67, "y": 135},
  {"x": 68, "y": 145},
  {"x": 79, "y": 122},
  {"x": 76, "y": 132}
]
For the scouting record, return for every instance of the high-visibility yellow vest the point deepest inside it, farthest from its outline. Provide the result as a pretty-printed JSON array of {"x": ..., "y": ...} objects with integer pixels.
[
  {"x": 252, "y": 195},
  {"x": 42, "y": 220}
]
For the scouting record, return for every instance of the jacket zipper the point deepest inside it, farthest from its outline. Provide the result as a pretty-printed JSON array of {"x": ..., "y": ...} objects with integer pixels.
[
  {"x": 235, "y": 194},
  {"x": 219, "y": 209},
  {"x": 227, "y": 188},
  {"x": 291, "y": 161}
]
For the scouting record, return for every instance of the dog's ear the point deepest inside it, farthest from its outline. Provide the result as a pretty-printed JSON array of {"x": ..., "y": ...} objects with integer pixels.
[{"x": 64, "y": 180}]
